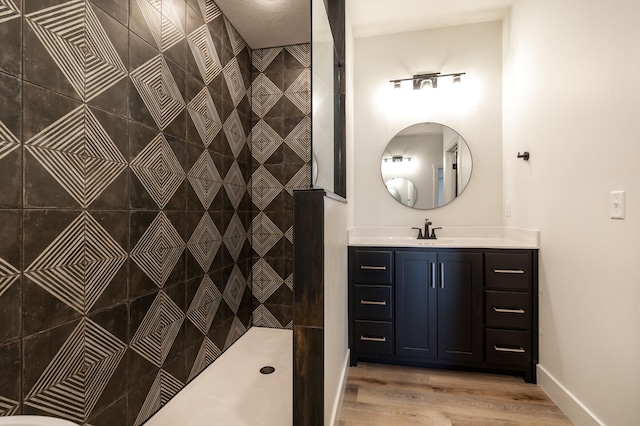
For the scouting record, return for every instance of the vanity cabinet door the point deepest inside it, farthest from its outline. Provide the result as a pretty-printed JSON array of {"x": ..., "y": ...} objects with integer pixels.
[
  {"x": 416, "y": 304},
  {"x": 460, "y": 307}
]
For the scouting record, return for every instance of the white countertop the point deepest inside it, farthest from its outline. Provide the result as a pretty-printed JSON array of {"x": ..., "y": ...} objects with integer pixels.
[{"x": 449, "y": 237}]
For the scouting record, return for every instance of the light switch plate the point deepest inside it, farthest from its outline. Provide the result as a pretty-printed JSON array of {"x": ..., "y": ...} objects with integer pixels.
[{"x": 616, "y": 204}]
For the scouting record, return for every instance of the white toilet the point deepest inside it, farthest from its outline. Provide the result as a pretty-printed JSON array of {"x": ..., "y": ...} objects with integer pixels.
[{"x": 34, "y": 421}]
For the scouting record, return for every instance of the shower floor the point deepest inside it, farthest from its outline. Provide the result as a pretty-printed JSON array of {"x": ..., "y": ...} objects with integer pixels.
[{"x": 232, "y": 391}]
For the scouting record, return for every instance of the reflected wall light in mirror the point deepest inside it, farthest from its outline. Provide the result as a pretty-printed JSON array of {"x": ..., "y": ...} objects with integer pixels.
[
  {"x": 426, "y": 165},
  {"x": 427, "y": 81}
]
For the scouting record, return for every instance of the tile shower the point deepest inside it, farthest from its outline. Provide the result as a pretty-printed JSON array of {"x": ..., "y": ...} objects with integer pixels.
[{"x": 147, "y": 164}]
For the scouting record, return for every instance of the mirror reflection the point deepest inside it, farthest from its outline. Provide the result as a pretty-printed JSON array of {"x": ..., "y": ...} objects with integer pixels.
[{"x": 426, "y": 165}]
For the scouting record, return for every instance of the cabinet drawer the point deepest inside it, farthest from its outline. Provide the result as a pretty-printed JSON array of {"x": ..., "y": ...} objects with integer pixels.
[
  {"x": 508, "y": 347},
  {"x": 372, "y": 267},
  {"x": 373, "y": 302},
  {"x": 374, "y": 337},
  {"x": 505, "y": 309},
  {"x": 508, "y": 271}
]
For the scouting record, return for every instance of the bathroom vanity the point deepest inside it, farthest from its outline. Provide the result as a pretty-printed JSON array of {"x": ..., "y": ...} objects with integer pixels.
[{"x": 450, "y": 303}]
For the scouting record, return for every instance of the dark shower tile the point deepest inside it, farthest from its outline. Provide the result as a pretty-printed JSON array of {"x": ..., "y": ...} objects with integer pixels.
[
  {"x": 137, "y": 396},
  {"x": 11, "y": 36},
  {"x": 42, "y": 310},
  {"x": 277, "y": 65},
  {"x": 114, "y": 321},
  {"x": 42, "y": 108},
  {"x": 116, "y": 413},
  {"x": 10, "y": 138},
  {"x": 116, "y": 8},
  {"x": 293, "y": 110},
  {"x": 293, "y": 63},
  {"x": 282, "y": 296},
  {"x": 283, "y": 313},
  {"x": 39, "y": 350},
  {"x": 138, "y": 25},
  {"x": 291, "y": 75},
  {"x": 194, "y": 19},
  {"x": 10, "y": 382},
  {"x": 40, "y": 68}
]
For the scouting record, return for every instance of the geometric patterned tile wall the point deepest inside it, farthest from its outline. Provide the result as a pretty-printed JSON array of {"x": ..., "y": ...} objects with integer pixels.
[
  {"x": 281, "y": 153},
  {"x": 125, "y": 211}
]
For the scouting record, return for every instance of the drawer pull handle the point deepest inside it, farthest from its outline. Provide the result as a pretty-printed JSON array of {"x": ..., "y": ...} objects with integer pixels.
[
  {"x": 373, "y": 302},
  {"x": 373, "y": 339},
  {"x": 508, "y": 271},
  {"x": 508, "y": 311},
  {"x": 373, "y": 268},
  {"x": 514, "y": 350}
]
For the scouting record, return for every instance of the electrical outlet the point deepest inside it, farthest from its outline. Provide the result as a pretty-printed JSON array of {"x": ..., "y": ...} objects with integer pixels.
[{"x": 616, "y": 204}]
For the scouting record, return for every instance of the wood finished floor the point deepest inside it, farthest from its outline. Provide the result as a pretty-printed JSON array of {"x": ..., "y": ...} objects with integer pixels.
[{"x": 395, "y": 395}]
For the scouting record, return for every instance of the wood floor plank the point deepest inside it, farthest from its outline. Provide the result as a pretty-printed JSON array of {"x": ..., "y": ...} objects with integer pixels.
[{"x": 396, "y": 395}]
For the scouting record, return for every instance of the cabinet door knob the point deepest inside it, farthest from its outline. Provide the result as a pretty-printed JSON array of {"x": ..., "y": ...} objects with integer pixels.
[
  {"x": 508, "y": 271},
  {"x": 514, "y": 350},
  {"x": 373, "y": 302},
  {"x": 373, "y": 339},
  {"x": 373, "y": 268},
  {"x": 508, "y": 311}
]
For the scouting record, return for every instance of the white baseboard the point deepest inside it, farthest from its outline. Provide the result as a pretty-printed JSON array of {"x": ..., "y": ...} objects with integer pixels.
[
  {"x": 571, "y": 406},
  {"x": 337, "y": 404}
]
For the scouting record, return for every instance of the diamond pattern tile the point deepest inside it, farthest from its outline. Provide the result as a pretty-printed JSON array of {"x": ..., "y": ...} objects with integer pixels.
[
  {"x": 158, "y": 330},
  {"x": 235, "y": 236},
  {"x": 264, "y": 95},
  {"x": 300, "y": 91},
  {"x": 163, "y": 22},
  {"x": 159, "y": 170},
  {"x": 236, "y": 332},
  {"x": 164, "y": 387},
  {"x": 205, "y": 179},
  {"x": 234, "y": 290},
  {"x": 8, "y": 142},
  {"x": 302, "y": 52},
  {"x": 264, "y": 188},
  {"x": 79, "y": 46},
  {"x": 158, "y": 90},
  {"x": 74, "y": 380},
  {"x": 208, "y": 353},
  {"x": 299, "y": 140},
  {"x": 8, "y": 11},
  {"x": 79, "y": 264},
  {"x": 158, "y": 250},
  {"x": 209, "y": 9},
  {"x": 237, "y": 42},
  {"x": 234, "y": 130},
  {"x": 235, "y": 185},
  {"x": 205, "y": 54},
  {"x": 301, "y": 180},
  {"x": 204, "y": 305},
  {"x": 262, "y": 58},
  {"x": 8, "y": 407},
  {"x": 265, "y": 281},
  {"x": 235, "y": 82},
  {"x": 8, "y": 275},
  {"x": 205, "y": 242},
  {"x": 205, "y": 116},
  {"x": 79, "y": 154},
  {"x": 264, "y": 141},
  {"x": 265, "y": 234},
  {"x": 262, "y": 317}
]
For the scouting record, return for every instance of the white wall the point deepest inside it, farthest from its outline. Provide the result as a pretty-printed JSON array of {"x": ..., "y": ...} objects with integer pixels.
[
  {"x": 572, "y": 99},
  {"x": 474, "y": 111}
]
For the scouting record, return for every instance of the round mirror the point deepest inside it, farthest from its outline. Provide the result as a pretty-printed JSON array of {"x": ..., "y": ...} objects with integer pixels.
[{"x": 426, "y": 165}]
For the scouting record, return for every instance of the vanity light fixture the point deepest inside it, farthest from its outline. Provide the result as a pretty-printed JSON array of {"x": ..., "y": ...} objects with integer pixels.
[
  {"x": 397, "y": 159},
  {"x": 427, "y": 81}
]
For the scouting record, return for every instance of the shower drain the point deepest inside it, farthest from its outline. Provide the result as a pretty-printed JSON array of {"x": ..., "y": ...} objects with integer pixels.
[{"x": 267, "y": 370}]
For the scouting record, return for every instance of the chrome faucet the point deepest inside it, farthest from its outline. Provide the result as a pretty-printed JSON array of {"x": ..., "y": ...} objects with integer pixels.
[{"x": 426, "y": 235}]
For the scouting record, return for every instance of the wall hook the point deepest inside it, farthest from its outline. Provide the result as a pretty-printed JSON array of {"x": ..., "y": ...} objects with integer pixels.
[{"x": 524, "y": 155}]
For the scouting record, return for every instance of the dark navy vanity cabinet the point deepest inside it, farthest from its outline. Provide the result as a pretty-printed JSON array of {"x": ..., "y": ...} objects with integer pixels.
[{"x": 443, "y": 307}]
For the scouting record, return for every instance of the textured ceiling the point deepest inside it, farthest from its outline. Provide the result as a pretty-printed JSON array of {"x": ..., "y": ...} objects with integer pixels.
[
  {"x": 269, "y": 23},
  {"x": 274, "y": 23}
]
